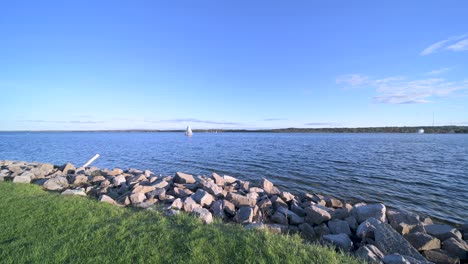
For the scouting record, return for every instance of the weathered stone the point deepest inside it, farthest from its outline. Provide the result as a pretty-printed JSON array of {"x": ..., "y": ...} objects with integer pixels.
[
  {"x": 366, "y": 229},
  {"x": 190, "y": 205},
  {"x": 316, "y": 215},
  {"x": 363, "y": 211},
  {"x": 421, "y": 241},
  {"x": 98, "y": 179},
  {"x": 390, "y": 242},
  {"x": 217, "y": 179},
  {"x": 181, "y": 177},
  {"x": 203, "y": 198},
  {"x": 339, "y": 227},
  {"x": 119, "y": 180},
  {"x": 294, "y": 219},
  {"x": 107, "y": 199},
  {"x": 229, "y": 179},
  {"x": 244, "y": 185},
  {"x": 321, "y": 230},
  {"x": 278, "y": 202},
  {"x": 456, "y": 248},
  {"x": 253, "y": 196},
  {"x": 404, "y": 228},
  {"x": 212, "y": 188},
  {"x": 399, "y": 259},
  {"x": 333, "y": 202},
  {"x": 268, "y": 187},
  {"x": 137, "y": 197},
  {"x": 158, "y": 193},
  {"x": 79, "y": 192},
  {"x": 56, "y": 184},
  {"x": 370, "y": 253},
  {"x": 307, "y": 231},
  {"x": 79, "y": 180},
  {"x": 167, "y": 198},
  {"x": 177, "y": 204},
  {"x": 22, "y": 179},
  {"x": 229, "y": 207},
  {"x": 341, "y": 241},
  {"x": 217, "y": 209},
  {"x": 286, "y": 196},
  {"x": 115, "y": 172},
  {"x": 440, "y": 256},
  {"x": 240, "y": 200},
  {"x": 256, "y": 190},
  {"x": 276, "y": 228},
  {"x": 43, "y": 170},
  {"x": 244, "y": 215},
  {"x": 340, "y": 213},
  {"x": 182, "y": 193},
  {"x": 266, "y": 207},
  {"x": 68, "y": 169},
  {"x": 203, "y": 214},
  {"x": 279, "y": 218},
  {"x": 442, "y": 232},
  {"x": 160, "y": 184},
  {"x": 298, "y": 209},
  {"x": 143, "y": 189}
]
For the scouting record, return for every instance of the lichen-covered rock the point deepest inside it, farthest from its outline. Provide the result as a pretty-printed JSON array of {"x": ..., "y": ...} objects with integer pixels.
[
  {"x": 370, "y": 253},
  {"x": 440, "y": 256},
  {"x": 203, "y": 214},
  {"x": 390, "y": 242},
  {"x": 422, "y": 241},
  {"x": 22, "y": 179},
  {"x": 316, "y": 215},
  {"x": 56, "y": 184}
]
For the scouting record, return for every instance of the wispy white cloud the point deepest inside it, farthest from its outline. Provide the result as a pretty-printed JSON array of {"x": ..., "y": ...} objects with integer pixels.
[
  {"x": 455, "y": 43},
  {"x": 459, "y": 46},
  {"x": 400, "y": 90},
  {"x": 439, "y": 71},
  {"x": 275, "y": 119},
  {"x": 352, "y": 79},
  {"x": 194, "y": 120}
]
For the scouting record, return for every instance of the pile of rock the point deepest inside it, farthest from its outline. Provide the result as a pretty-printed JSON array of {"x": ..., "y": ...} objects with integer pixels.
[{"x": 370, "y": 231}]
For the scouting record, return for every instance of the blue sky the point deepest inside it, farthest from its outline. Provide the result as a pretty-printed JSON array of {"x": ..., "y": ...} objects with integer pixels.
[{"x": 232, "y": 64}]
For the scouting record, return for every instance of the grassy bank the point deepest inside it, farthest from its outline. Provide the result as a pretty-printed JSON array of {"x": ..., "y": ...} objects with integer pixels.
[{"x": 41, "y": 227}]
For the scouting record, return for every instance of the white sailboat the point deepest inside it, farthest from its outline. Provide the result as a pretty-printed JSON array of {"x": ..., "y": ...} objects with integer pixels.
[{"x": 188, "y": 132}]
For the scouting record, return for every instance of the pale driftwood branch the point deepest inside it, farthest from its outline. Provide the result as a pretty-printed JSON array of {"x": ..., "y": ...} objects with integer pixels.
[{"x": 90, "y": 161}]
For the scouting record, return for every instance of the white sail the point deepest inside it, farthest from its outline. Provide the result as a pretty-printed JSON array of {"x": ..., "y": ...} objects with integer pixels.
[{"x": 188, "y": 132}]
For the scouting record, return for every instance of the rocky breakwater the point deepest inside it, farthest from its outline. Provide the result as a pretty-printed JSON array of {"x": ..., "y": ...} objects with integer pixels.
[{"x": 370, "y": 231}]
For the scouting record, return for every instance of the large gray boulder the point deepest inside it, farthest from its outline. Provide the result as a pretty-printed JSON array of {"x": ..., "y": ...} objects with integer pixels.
[
  {"x": 107, "y": 199},
  {"x": 217, "y": 179},
  {"x": 440, "y": 256},
  {"x": 390, "y": 242},
  {"x": 42, "y": 170},
  {"x": 442, "y": 232},
  {"x": 244, "y": 215},
  {"x": 294, "y": 219},
  {"x": 190, "y": 205},
  {"x": 269, "y": 187},
  {"x": 307, "y": 231},
  {"x": 203, "y": 198},
  {"x": 229, "y": 208},
  {"x": 279, "y": 218},
  {"x": 203, "y": 214},
  {"x": 56, "y": 184},
  {"x": 339, "y": 227},
  {"x": 456, "y": 248},
  {"x": 240, "y": 200},
  {"x": 370, "y": 253},
  {"x": 363, "y": 211},
  {"x": 217, "y": 209},
  {"x": 399, "y": 259},
  {"x": 341, "y": 241},
  {"x": 136, "y": 198},
  {"x": 22, "y": 179},
  {"x": 68, "y": 169},
  {"x": 367, "y": 228},
  {"x": 177, "y": 204},
  {"x": 316, "y": 214},
  {"x": 119, "y": 180},
  {"x": 212, "y": 188},
  {"x": 183, "y": 178},
  {"x": 422, "y": 241}
]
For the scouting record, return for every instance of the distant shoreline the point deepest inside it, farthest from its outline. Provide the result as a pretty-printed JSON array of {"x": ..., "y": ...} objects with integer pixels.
[{"x": 408, "y": 130}]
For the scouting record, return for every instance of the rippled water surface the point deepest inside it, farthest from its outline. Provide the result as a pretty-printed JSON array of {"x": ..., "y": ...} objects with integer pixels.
[{"x": 425, "y": 173}]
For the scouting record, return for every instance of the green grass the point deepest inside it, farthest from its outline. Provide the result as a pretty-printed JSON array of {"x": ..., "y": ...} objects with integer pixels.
[{"x": 41, "y": 227}]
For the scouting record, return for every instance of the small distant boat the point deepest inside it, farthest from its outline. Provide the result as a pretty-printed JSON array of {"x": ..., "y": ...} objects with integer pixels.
[
  {"x": 420, "y": 131},
  {"x": 188, "y": 132}
]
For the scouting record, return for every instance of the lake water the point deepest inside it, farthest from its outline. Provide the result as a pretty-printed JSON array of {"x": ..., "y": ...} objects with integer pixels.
[{"x": 423, "y": 173}]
